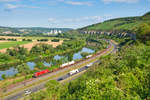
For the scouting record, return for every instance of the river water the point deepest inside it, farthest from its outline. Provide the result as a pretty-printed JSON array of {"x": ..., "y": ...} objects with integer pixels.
[{"x": 75, "y": 56}]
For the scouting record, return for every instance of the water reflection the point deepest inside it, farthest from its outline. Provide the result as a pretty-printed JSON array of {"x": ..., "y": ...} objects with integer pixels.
[
  {"x": 77, "y": 55},
  {"x": 10, "y": 72},
  {"x": 31, "y": 65},
  {"x": 57, "y": 57},
  {"x": 47, "y": 64}
]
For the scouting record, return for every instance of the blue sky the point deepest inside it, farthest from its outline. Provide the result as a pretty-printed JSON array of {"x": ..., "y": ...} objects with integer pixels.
[{"x": 67, "y": 13}]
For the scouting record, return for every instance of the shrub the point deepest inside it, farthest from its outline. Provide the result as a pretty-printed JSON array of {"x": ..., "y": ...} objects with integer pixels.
[{"x": 55, "y": 40}]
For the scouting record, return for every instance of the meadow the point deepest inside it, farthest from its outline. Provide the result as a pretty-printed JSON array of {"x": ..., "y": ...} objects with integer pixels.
[
  {"x": 6, "y": 43},
  {"x": 12, "y": 44},
  {"x": 30, "y": 37},
  {"x": 119, "y": 24}
]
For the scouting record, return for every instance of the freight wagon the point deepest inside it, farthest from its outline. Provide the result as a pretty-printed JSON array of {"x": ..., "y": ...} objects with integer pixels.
[{"x": 68, "y": 64}]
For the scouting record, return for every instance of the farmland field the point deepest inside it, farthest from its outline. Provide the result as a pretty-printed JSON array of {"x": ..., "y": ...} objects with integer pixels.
[
  {"x": 12, "y": 44},
  {"x": 33, "y": 38},
  {"x": 4, "y": 44}
]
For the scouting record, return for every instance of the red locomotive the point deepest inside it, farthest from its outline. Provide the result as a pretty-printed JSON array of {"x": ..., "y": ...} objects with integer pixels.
[{"x": 37, "y": 74}]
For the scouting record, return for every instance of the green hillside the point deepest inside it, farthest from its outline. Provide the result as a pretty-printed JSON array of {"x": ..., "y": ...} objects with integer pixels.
[{"x": 127, "y": 23}]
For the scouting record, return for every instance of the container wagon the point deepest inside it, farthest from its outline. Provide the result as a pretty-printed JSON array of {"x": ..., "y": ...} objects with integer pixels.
[
  {"x": 37, "y": 74},
  {"x": 68, "y": 64},
  {"x": 71, "y": 63},
  {"x": 63, "y": 65}
]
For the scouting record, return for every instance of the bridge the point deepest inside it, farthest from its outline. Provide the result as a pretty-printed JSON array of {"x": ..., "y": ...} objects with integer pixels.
[{"x": 110, "y": 33}]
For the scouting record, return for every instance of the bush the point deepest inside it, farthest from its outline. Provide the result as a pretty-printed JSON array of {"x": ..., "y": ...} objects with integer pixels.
[
  {"x": 55, "y": 40},
  {"x": 12, "y": 39},
  {"x": 84, "y": 54},
  {"x": 23, "y": 68},
  {"x": 42, "y": 40},
  {"x": 3, "y": 76},
  {"x": 26, "y": 39},
  {"x": 143, "y": 32},
  {"x": 2, "y": 39}
]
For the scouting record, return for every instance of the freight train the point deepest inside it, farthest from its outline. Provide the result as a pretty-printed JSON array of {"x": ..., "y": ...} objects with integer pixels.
[{"x": 38, "y": 74}]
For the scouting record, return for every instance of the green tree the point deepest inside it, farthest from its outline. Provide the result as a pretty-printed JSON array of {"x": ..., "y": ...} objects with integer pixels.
[
  {"x": 84, "y": 54},
  {"x": 53, "y": 89},
  {"x": 143, "y": 32},
  {"x": 24, "y": 69},
  {"x": 4, "y": 57},
  {"x": 3, "y": 76}
]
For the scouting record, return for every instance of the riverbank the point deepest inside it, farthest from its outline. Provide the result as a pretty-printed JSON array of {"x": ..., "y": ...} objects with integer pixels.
[
  {"x": 78, "y": 65},
  {"x": 20, "y": 78},
  {"x": 34, "y": 57}
]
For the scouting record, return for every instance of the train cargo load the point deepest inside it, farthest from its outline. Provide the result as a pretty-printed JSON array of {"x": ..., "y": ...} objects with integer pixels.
[
  {"x": 71, "y": 63},
  {"x": 73, "y": 72},
  {"x": 37, "y": 74},
  {"x": 68, "y": 64},
  {"x": 65, "y": 64}
]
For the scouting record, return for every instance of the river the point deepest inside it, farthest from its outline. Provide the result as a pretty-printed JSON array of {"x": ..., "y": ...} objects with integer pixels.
[{"x": 48, "y": 62}]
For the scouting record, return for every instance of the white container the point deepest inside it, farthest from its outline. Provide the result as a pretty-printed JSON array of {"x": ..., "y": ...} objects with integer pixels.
[
  {"x": 71, "y": 63},
  {"x": 65, "y": 64}
]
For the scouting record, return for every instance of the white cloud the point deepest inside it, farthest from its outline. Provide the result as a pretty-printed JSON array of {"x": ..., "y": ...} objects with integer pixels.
[
  {"x": 76, "y": 3},
  {"x": 75, "y": 20},
  {"x": 52, "y": 20},
  {"x": 8, "y": 0},
  {"x": 78, "y": 21},
  {"x": 12, "y": 6},
  {"x": 9, "y": 7},
  {"x": 79, "y": 3},
  {"x": 121, "y": 1}
]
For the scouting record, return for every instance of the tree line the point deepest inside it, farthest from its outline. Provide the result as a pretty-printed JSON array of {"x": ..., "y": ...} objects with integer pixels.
[{"x": 20, "y": 53}]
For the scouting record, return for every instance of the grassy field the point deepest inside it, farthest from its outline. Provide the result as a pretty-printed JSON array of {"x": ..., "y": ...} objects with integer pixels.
[
  {"x": 32, "y": 38},
  {"x": 4, "y": 44},
  {"x": 127, "y": 23},
  {"x": 12, "y": 44}
]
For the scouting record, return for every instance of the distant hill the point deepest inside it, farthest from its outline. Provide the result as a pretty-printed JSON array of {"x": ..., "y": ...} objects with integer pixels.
[
  {"x": 126, "y": 24},
  {"x": 29, "y": 30}
]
